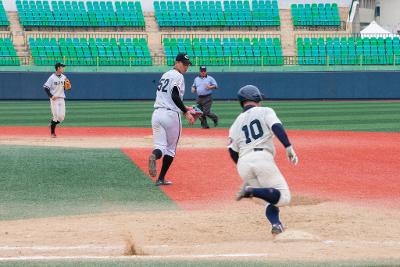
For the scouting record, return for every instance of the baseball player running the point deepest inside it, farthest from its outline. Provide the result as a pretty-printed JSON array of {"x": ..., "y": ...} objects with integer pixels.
[
  {"x": 252, "y": 149},
  {"x": 166, "y": 120},
  {"x": 54, "y": 88}
]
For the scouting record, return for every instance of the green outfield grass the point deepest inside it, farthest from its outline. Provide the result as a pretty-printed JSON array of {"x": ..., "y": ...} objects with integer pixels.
[
  {"x": 300, "y": 115},
  {"x": 42, "y": 182}
]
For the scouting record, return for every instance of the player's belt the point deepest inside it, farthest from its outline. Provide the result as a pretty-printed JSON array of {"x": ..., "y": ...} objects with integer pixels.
[
  {"x": 258, "y": 149},
  {"x": 164, "y": 108},
  {"x": 201, "y": 96}
]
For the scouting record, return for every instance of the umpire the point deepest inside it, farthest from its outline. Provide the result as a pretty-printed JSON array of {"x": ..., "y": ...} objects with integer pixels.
[{"x": 203, "y": 86}]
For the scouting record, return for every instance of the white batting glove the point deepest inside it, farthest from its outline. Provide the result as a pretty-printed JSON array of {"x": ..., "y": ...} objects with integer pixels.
[{"x": 291, "y": 155}]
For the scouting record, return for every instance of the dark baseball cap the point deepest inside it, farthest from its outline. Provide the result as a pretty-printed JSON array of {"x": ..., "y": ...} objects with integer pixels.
[
  {"x": 203, "y": 68},
  {"x": 59, "y": 64},
  {"x": 184, "y": 58}
]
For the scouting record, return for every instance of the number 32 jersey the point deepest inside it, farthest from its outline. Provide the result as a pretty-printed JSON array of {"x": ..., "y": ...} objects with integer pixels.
[
  {"x": 252, "y": 129},
  {"x": 168, "y": 81}
]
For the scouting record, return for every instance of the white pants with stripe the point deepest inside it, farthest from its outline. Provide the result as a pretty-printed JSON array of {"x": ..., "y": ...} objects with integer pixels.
[
  {"x": 58, "y": 109},
  {"x": 258, "y": 169},
  {"x": 167, "y": 126}
]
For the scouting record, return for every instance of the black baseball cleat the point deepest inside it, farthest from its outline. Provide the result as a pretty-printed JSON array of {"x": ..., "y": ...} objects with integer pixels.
[
  {"x": 163, "y": 182},
  {"x": 152, "y": 165},
  {"x": 277, "y": 229},
  {"x": 216, "y": 123}
]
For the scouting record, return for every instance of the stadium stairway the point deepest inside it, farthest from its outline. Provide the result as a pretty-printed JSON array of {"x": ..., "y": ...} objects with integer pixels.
[
  {"x": 287, "y": 33},
  {"x": 17, "y": 32},
  {"x": 154, "y": 35}
]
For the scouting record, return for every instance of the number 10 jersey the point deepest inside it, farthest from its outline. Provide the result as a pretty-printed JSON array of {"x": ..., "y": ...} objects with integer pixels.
[{"x": 253, "y": 129}]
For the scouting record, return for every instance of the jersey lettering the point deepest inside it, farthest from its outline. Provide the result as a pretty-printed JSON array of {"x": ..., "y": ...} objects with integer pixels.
[
  {"x": 256, "y": 130},
  {"x": 162, "y": 85}
]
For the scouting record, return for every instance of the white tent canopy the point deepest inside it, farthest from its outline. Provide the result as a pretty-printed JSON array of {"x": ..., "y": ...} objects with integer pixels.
[{"x": 374, "y": 30}]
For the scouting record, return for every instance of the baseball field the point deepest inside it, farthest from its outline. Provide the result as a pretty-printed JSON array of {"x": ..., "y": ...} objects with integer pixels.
[{"x": 85, "y": 198}]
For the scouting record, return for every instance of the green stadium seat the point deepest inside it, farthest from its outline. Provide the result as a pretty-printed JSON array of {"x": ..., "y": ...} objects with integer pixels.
[
  {"x": 80, "y": 13},
  {"x": 83, "y": 51}
]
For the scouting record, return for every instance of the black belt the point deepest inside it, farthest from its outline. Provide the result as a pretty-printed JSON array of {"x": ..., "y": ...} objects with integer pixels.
[
  {"x": 165, "y": 108},
  {"x": 201, "y": 96},
  {"x": 258, "y": 149}
]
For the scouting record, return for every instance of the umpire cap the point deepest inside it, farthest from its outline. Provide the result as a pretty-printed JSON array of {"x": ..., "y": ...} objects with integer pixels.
[
  {"x": 251, "y": 93},
  {"x": 59, "y": 64}
]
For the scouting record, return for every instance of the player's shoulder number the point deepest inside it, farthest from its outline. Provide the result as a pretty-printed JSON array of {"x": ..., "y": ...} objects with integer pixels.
[
  {"x": 162, "y": 85},
  {"x": 253, "y": 130}
]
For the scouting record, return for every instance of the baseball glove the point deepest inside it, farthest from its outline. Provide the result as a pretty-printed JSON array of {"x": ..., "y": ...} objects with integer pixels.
[
  {"x": 195, "y": 111},
  {"x": 67, "y": 84}
]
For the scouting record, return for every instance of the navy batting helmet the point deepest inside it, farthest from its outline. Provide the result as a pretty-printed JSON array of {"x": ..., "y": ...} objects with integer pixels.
[{"x": 250, "y": 93}]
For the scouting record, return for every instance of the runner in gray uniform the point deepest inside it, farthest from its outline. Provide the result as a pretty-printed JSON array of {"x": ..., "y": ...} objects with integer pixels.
[{"x": 54, "y": 88}]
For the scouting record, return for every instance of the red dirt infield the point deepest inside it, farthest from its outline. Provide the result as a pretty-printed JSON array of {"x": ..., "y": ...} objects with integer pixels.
[{"x": 350, "y": 166}]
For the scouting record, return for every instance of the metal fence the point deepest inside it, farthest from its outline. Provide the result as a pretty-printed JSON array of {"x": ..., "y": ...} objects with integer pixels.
[
  {"x": 191, "y": 36},
  {"x": 380, "y": 60},
  {"x": 6, "y": 35},
  {"x": 86, "y": 35}
]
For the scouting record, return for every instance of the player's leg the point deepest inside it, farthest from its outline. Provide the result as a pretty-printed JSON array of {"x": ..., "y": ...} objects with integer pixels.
[
  {"x": 159, "y": 139},
  {"x": 207, "y": 110},
  {"x": 203, "y": 117},
  {"x": 264, "y": 181},
  {"x": 53, "y": 121},
  {"x": 173, "y": 130}
]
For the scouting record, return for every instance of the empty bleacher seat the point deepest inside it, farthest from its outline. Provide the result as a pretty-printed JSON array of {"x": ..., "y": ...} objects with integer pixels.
[
  {"x": 232, "y": 13},
  {"x": 90, "y": 51},
  {"x": 8, "y": 55},
  {"x": 311, "y": 15},
  {"x": 226, "y": 51},
  {"x": 348, "y": 51},
  {"x": 80, "y": 14}
]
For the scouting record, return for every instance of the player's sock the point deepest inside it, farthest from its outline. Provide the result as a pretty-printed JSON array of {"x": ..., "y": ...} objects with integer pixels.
[
  {"x": 272, "y": 213},
  {"x": 271, "y": 195},
  {"x": 53, "y": 126},
  {"x": 167, "y": 161},
  {"x": 157, "y": 152}
]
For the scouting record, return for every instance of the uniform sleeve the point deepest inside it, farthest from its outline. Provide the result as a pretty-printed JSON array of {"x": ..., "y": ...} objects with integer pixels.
[
  {"x": 194, "y": 83},
  {"x": 233, "y": 140},
  {"x": 46, "y": 87},
  {"x": 270, "y": 117},
  {"x": 213, "y": 82},
  {"x": 47, "y": 84}
]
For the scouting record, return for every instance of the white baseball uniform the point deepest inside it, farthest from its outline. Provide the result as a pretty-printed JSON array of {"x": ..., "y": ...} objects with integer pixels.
[
  {"x": 56, "y": 86},
  {"x": 166, "y": 120},
  {"x": 252, "y": 137}
]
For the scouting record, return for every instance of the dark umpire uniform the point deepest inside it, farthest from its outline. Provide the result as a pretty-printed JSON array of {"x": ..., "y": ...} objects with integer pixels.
[{"x": 203, "y": 86}]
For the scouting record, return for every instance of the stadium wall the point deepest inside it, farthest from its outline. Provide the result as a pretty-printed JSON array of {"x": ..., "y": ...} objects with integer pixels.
[{"x": 275, "y": 85}]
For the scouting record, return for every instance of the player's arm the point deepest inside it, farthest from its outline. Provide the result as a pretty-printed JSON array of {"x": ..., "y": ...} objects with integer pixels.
[
  {"x": 280, "y": 133},
  {"x": 234, "y": 155},
  {"x": 47, "y": 90},
  {"x": 178, "y": 102},
  {"x": 213, "y": 84},
  {"x": 194, "y": 87},
  {"x": 232, "y": 147},
  {"x": 277, "y": 128},
  {"x": 177, "y": 99}
]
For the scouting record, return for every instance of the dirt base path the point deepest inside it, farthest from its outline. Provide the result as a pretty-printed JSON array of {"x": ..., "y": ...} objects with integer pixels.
[
  {"x": 330, "y": 217},
  {"x": 316, "y": 231}
]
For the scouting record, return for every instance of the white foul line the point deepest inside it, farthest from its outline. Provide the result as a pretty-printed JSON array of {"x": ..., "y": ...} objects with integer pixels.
[{"x": 137, "y": 257}]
